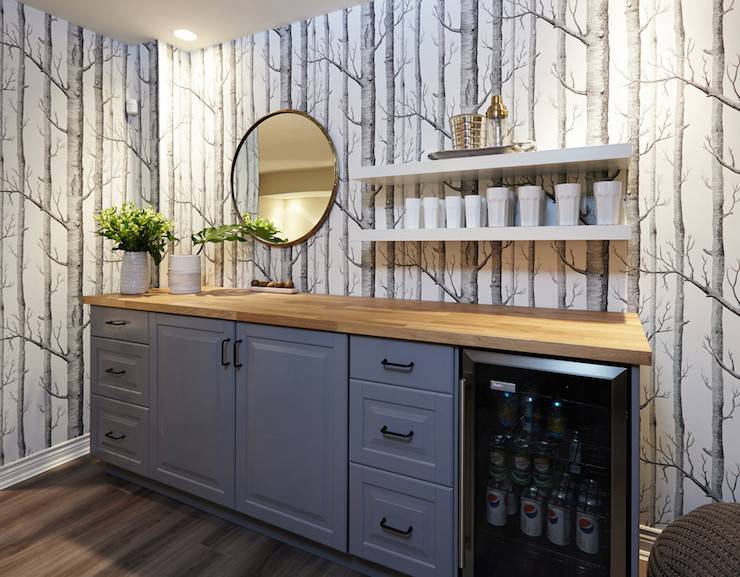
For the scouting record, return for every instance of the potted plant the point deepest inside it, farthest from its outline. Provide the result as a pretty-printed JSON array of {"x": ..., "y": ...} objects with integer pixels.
[{"x": 140, "y": 233}]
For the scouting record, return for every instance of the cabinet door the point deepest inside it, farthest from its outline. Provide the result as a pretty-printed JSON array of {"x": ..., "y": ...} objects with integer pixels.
[
  {"x": 291, "y": 442},
  {"x": 193, "y": 406}
]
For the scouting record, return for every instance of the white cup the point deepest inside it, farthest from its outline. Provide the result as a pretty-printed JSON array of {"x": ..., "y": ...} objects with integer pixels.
[
  {"x": 568, "y": 203},
  {"x": 412, "y": 207},
  {"x": 608, "y": 196},
  {"x": 473, "y": 211},
  {"x": 431, "y": 212},
  {"x": 500, "y": 206},
  {"x": 531, "y": 201},
  {"x": 453, "y": 212}
]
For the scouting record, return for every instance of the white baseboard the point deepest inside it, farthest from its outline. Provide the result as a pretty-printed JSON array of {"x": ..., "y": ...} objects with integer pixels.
[{"x": 44, "y": 460}]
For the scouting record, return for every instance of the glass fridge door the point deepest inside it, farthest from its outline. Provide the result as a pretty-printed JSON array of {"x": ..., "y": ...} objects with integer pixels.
[{"x": 548, "y": 485}]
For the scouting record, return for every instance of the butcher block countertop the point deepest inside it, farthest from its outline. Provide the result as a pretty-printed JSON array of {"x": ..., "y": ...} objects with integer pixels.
[{"x": 597, "y": 336}]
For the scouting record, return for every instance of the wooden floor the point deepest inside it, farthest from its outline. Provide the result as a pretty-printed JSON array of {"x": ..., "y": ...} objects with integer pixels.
[{"x": 76, "y": 521}]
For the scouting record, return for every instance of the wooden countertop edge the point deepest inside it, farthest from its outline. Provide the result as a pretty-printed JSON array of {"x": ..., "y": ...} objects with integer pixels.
[{"x": 436, "y": 335}]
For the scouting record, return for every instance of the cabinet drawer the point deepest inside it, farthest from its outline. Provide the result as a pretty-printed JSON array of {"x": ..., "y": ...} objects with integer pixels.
[
  {"x": 121, "y": 324},
  {"x": 120, "y": 434},
  {"x": 401, "y": 523},
  {"x": 418, "y": 365},
  {"x": 402, "y": 430},
  {"x": 120, "y": 370}
]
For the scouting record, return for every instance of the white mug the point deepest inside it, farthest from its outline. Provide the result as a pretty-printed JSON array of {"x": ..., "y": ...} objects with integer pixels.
[
  {"x": 473, "y": 211},
  {"x": 608, "y": 196},
  {"x": 431, "y": 212},
  {"x": 453, "y": 211},
  {"x": 568, "y": 203},
  {"x": 500, "y": 206},
  {"x": 531, "y": 201},
  {"x": 412, "y": 212}
]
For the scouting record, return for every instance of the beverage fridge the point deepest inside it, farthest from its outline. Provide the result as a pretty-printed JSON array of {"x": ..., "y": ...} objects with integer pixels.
[{"x": 549, "y": 471}]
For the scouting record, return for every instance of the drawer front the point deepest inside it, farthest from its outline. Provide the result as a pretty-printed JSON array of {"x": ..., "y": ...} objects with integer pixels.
[
  {"x": 120, "y": 434},
  {"x": 120, "y": 370},
  {"x": 417, "y": 365},
  {"x": 121, "y": 324},
  {"x": 401, "y": 523},
  {"x": 402, "y": 430}
]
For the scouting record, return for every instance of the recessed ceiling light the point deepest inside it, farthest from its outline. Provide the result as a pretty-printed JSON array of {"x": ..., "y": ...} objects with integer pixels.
[{"x": 185, "y": 34}]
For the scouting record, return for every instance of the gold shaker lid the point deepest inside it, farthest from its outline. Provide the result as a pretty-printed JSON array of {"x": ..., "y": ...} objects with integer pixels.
[{"x": 497, "y": 109}]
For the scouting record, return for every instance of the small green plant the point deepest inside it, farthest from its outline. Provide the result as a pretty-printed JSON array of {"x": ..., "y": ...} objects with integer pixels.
[
  {"x": 257, "y": 227},
  {"x": 136, "y": 229}
]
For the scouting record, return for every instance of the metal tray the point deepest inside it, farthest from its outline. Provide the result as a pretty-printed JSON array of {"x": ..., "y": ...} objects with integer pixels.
[{"x": 526, "y": 146}]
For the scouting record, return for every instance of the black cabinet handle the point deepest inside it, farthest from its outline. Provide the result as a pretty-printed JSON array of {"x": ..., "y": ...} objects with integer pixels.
[
  {"x": 112, "y": 371},
  {"x": 384, "y": 525},
  {"x": 237, "y": 363},
  {"x": 113, "y": 437},
  {"x": 387, "y": 365},
  {"x": 116, "y": 323},
  {"x": 386, "y": 432},
  {"x": 224, "y": 362}
]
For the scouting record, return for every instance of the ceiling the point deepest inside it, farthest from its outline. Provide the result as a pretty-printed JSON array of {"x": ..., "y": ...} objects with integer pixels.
[{"x": 214, "y": 21}]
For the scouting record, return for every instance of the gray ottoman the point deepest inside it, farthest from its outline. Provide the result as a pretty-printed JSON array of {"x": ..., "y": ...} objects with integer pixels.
[{"x": 704, "y": 543}]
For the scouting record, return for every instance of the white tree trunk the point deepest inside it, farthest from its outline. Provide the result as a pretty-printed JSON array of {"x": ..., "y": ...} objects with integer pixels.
[
  {"x": 497, "y": 50},
  {"x": 344, "y": 168},
  {"x": 718, "y": 250},
  {"x": 99, "y": 158},
  {"x": 531, "y": 100},
  {"x": 679, "y": 241},
  {"x": 153, "y": 81},
  {"x": 3, "y": 276},
  {"x": 75, "y": 233},
  {"x": 632, "y": 198},
  {"x": 417, "y": 140},
  {"x": 187, "y": 98},
  {"x": 390, "y": 144},
  {"x": 286, "y": 101},
  {"x": 125, "y": 153},
  {"x": 367, "y": 140},
  {"x": 171, "y": 193},
  {"x": 327, "y": 92},
  {"x": 234, "y": 128},
  {"x": 20, "y": 235},
  {"x": 218, "y": 163},
  {"x": 303, "y": 105},
  {"x": 441, "y": 121}
]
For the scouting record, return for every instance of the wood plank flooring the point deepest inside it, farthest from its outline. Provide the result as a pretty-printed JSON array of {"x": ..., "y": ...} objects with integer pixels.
[{"x": 76, "y": 521}]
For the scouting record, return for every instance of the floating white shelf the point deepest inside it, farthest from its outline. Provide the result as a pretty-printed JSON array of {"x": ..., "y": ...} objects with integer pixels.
[
  {"x": 587, "y": 158},
  {"x": 518, "y": 233}
]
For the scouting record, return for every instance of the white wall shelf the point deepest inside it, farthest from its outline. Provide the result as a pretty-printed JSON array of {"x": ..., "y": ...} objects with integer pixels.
[
  {"x": 495, "y": 166},
  {"x": 517, "y": 233}
]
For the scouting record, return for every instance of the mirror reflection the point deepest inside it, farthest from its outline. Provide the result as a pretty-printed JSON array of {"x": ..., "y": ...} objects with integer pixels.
[{"x": 285, "y": 171}]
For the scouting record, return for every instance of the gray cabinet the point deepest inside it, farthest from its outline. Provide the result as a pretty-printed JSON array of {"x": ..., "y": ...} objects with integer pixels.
[
  {"x": 291, "y": 441},
  {"x": 192, "y": 406},
  {"x": 119, "y": 434}
]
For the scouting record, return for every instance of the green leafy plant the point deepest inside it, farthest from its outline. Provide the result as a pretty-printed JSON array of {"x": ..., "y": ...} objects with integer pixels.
[
  {"x": 258, "y": 227},
  {"x": 136, "y": 229}
]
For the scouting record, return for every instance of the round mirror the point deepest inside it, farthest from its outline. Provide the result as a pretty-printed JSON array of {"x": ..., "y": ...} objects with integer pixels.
[{"x": 285, "y": 172}]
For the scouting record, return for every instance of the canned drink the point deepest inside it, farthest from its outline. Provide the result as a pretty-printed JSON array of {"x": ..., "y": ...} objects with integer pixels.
[
  {"x": 542, "y": 460},
  {"x": 560, "y": 514},
  {"x": 575, "y": 453},
  {"x": 512, "y": 501},
  {"x": 532, "y": 515},
  {"x": 556, "y": 421},
  {"x": 588, "y": 530},
  {"x": 508, "y": 410},
  {"x": 530, "y": 413},
  {"x": 496, "y": 497}
]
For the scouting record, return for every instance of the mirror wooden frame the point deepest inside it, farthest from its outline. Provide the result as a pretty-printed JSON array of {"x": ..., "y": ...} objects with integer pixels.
[{"x": 335, "y": 186}]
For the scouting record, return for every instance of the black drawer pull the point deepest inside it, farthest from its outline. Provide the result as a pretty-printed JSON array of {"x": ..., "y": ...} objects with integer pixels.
[
  {"x": 387, "y": 365},
  {"x": 112, "y": 371},
  {"x": 224, "y": 362},
  {"x": 400, "y": 436},
  {"x": 237, "y": 363},
  {"x": 384, "y": 525},
  {"x": 113, "y": 437},
  {"x": 116, "y": 323}
]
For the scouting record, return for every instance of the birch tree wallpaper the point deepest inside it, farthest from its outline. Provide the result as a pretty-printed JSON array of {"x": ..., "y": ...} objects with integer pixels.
[
  {"x": 383, "y": 78},
  {"x": 67, "y": 149}
]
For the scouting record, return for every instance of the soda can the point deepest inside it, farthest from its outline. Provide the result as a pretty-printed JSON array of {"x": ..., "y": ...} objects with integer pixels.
[
  {"x": 496, "y": 497},
  {"x": 530, "y": 414},
  {"x": 508, "y": 410},
  {"x": 512, "y": 501},
  {"x": 558, "y": 524},
  {"x": 556, "y": 421},
  {"x": 587, "y": 532}
]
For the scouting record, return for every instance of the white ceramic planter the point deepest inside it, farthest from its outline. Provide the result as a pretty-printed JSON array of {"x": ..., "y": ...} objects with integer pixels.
[
  {"x": 184, "y": 274},
  {"x": 473, "y": 211},
  {"x": 412, "y": 216},
  {"x": 453, "y": 211},
  {"x": 608, "y": 196},
  {"x": 500, "y": 206},
  {"x": 134, "y": 273},
  {"x": 568, "y": 203},
  {"x": 531, "y": 205},
  {"x": 431, "y": 212}
]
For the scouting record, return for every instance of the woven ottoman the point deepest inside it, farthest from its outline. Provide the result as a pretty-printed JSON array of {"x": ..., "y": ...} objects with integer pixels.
[{"x": 704, "y": 543}]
